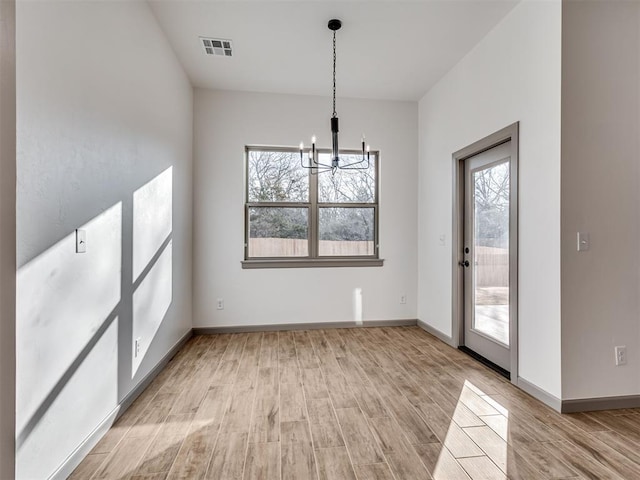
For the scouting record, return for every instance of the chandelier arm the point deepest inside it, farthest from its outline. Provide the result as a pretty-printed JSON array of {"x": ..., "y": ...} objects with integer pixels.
[
  {"x": 323, "y": 165},
  {"x": 317, "y": 163},
  {"x": 358, "y": 163},
  {"x": 351, "y": 167},
  {"x": 318, "y": 170},
  {"x": 325, "y": 170},
  {"x": 313, "y": 165},
  {"x": 346, "y": 167}
]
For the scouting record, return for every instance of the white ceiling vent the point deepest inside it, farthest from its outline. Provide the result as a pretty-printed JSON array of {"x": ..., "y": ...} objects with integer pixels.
[{"x": 217, "y": 46}]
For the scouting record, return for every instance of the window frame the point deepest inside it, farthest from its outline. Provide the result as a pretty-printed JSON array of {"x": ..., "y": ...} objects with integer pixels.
[{"x": 313, "y": 206}]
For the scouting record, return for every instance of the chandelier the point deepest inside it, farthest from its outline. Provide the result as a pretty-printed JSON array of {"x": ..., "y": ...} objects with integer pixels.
[{"x": 312, "y": 155}]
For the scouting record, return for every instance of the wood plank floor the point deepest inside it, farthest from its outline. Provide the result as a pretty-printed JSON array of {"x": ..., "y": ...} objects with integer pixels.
[{"x": 367, "y": 404}]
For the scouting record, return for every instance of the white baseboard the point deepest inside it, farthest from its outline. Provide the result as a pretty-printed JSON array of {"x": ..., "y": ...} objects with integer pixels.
[
  {"x": 436, "y": 333},
  {"x": 540, "y": 394},
  {"x": 601, "y": 403},
  {"x": 73, "y": 460},
  {"x": 301, "y": 326}
]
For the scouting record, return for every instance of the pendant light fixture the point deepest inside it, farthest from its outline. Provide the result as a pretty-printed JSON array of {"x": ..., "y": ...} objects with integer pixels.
[{"x": 312, "y": 154}]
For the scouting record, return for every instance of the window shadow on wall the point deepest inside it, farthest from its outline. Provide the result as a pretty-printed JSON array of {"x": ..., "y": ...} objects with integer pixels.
[{"x": 79, "y": 315}]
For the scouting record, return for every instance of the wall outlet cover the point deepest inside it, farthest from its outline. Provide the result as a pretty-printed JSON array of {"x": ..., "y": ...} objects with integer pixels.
[{"x": 621, "y": 355}]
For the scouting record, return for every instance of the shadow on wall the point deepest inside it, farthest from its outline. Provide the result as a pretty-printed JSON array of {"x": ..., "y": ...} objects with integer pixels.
[
  {"x": 152, "y": 261},
  {"x": 79, "y": 316}
]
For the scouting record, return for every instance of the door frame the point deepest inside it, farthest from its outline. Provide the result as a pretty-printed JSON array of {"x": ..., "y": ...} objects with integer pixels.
[{"x": 504, "y": 135}]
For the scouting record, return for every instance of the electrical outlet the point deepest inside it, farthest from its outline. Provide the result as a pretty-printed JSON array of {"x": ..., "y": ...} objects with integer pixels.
[
  {"x": 621, "y": 356},
  {"x": 403, "y": 299},
  {"x": 137, "y": 347},
  {"x": 583, "y": 241},
  {"x": 220, "y": 304}
]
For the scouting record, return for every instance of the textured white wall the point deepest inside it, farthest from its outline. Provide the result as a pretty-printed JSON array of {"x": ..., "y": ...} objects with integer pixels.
[
  {"x": 105, "y": 118},
  {"x": 7, "y": 237},
  {"x": 600, "y": 195},
  {"x": 227, "y": 121},
  {"x": 512, "y": 75}
]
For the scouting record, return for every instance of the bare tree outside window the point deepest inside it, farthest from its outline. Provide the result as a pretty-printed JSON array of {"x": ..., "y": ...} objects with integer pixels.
[
  {"x": 346, "y": 231},
  {"x": 492, "y": 206},
  {"x": 277, "y": 177},
  {"x": 347, "y": 186}
]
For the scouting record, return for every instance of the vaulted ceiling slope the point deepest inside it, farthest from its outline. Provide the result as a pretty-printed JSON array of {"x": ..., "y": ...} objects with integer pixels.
[{"x": 391, "y": 50}]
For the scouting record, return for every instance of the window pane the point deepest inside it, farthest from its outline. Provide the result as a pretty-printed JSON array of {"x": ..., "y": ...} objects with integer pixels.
[
  {"x": 347, "y": 186},
  {"x": 277, "y": 177},
  {"x": 346, "y": 231},
  {"x": 278, "y": 232}
]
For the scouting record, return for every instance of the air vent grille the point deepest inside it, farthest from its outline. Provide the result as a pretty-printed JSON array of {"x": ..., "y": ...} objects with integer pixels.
[{"x": 217, "y": 46}]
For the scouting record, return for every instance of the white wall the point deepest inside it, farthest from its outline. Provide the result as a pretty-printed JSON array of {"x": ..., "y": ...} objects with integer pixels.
[
  {"x": 600, "y": 195},
  {"x": 7, "y": 237},
  {"x": 105, "y": 118},
  {"x": 512, "y": 75},
  {"x": 227, "y": 121}
]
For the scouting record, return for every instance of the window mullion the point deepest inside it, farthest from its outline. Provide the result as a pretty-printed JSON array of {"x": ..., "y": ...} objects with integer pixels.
[
  {"x": 313, "y": 215},
  {"x": 279, "y": 204},
  {"x": 345, "y": 205}
]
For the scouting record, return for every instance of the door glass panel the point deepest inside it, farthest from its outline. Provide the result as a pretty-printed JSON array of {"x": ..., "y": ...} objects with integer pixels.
[{"x": 491, "y": 251}]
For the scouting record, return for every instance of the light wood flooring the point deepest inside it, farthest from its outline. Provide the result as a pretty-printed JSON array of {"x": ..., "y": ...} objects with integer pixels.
[{"x": 368, "y": 403}]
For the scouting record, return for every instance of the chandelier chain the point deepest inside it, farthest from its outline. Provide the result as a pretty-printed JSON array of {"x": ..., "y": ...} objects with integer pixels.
[{"x": 334, "y": 74}]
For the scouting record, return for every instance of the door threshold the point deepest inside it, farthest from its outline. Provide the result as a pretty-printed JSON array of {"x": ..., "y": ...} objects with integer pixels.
[{"x": 486, "y": 362}]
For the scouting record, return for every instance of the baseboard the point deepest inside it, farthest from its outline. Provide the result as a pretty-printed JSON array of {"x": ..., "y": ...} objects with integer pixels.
[
  {"x": 146, "y": 381},
  {"x": 73, "y": 460},
  {"x": 301, "y": 326},
  {"x": 436, "y": 333},
  {"x": 539, "y": 394},
  {"x": 602, "y": 403}
]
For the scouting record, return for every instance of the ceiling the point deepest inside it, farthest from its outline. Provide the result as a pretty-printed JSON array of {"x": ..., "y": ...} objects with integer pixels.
[{"x": 393, "y": 50}]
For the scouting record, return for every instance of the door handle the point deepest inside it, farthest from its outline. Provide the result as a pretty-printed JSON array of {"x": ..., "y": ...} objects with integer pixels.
[{"x": 464, "y": 263}]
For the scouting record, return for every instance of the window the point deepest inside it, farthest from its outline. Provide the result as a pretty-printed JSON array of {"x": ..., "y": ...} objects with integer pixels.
[{"x": 295, "y": 218}]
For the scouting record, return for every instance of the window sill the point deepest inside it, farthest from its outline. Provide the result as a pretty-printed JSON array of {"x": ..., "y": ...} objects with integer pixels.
[{"x": 313, "y": 263}]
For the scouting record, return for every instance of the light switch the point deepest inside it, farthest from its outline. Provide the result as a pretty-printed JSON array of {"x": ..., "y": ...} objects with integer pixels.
[
  {"x": 81, "y": 241},
  {"x": 583, "y": 241}
]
